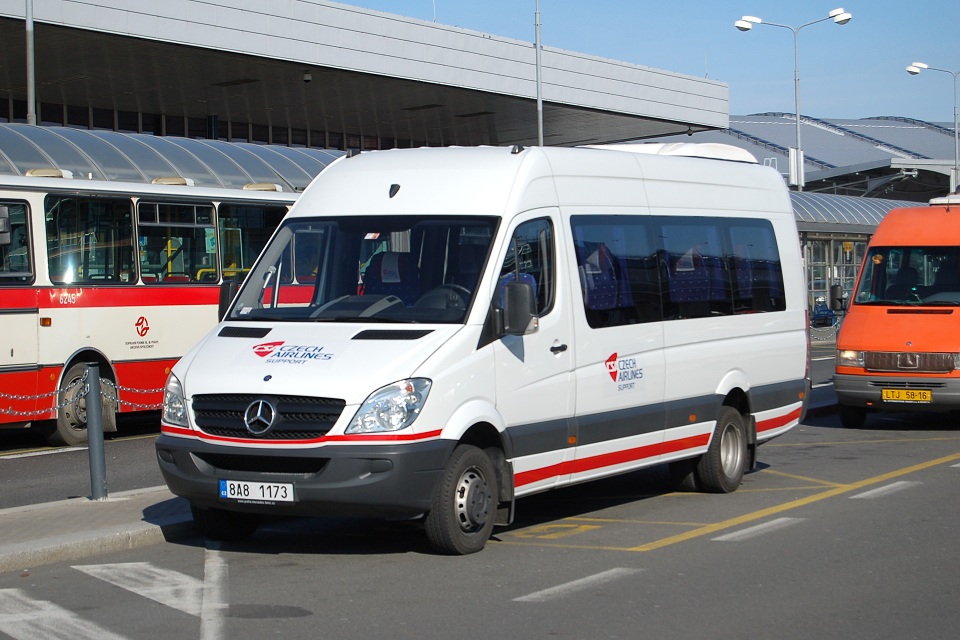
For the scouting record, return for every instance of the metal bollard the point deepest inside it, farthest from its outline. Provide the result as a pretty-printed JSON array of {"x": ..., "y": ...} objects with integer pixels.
[{"x": 98, "y": 466}]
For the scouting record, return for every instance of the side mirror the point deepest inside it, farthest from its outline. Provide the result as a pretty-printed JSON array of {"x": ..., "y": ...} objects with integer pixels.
[
  {"x": 5, "y": 228},
  {"x": 836, "y": 298},
  {"x": 228, "y": 291},
  {"x": 519, "y": 312}
]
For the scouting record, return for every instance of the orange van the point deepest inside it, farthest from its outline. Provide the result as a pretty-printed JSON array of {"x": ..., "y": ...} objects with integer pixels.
[{"x": 899, "y": 345}]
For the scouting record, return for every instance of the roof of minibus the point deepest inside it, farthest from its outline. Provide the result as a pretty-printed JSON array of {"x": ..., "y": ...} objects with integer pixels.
[
  {"x": 936, "y": 225},
  {"x": 497, "y": 180}
]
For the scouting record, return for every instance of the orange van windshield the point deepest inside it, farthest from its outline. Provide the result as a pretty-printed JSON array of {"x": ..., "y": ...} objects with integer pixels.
[{"x": 910, "y": 276}]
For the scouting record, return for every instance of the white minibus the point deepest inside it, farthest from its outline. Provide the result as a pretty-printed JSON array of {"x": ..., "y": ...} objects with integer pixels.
[{"x": 434, "y": 333}]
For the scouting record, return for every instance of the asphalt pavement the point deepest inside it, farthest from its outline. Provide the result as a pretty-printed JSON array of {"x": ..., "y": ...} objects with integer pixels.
[{"x": 68, "y": 530}]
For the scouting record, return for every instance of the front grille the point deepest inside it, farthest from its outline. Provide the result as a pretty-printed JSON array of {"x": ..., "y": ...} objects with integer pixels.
[
  {"x": 297, "y": 417},
  {"x": 922, "y": 384},
  {"x": 908, "y": 362}
]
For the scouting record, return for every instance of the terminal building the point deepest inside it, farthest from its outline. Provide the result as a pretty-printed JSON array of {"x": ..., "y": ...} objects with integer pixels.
[{"x": 294, "y": 84}]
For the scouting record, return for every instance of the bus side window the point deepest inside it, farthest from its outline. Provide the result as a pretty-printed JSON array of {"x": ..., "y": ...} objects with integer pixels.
[{"x": 15, "y": 252}]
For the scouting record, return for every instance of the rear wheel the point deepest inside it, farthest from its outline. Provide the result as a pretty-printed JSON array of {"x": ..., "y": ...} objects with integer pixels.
[
  {"x": 465, "y": 506},
  {"x": 852, "y": 417},
  {"x": 226, "y": 526},
  {"x": 70, "y": 428},
  {"x": 721, "y": 468}
]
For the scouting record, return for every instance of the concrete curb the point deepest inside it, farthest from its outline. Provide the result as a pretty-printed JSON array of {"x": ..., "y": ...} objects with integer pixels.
[{"x": 126, "y": 520}]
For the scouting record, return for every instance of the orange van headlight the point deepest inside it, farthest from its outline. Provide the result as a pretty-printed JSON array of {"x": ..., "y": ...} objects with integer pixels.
[{"x": 849, "y": 358}]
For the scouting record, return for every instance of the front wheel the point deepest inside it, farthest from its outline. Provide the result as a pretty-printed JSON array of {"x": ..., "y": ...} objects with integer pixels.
[
  {"x": 70, "y": 428},
  {"x": 465, "y": 505},
  {"x": 721, "y": 468}
]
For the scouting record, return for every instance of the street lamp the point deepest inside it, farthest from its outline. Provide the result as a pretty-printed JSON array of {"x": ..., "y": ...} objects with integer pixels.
[
  {"x": 913, "y": 70},
  {"x": 746, "y": 23}
]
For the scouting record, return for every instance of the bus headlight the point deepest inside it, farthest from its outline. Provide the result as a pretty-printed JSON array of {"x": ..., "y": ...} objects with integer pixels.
[
  {"x": 849, "y": 358},
  {"x": 392, "y": 407},
  {"x": 174, "y": 404}
]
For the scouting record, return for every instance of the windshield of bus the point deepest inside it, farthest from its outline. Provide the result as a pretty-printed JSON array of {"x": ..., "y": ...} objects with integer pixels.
[
  {"x": 375, "y": 269},
  {"x": 910, "y": 276}
]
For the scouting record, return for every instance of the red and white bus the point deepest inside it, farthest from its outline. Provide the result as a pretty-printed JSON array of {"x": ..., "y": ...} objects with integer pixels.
[{"x": 125, "y": 275}]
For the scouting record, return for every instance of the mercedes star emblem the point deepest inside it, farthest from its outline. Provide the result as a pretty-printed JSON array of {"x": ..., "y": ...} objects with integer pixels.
[{"x": 259, "y": 417}]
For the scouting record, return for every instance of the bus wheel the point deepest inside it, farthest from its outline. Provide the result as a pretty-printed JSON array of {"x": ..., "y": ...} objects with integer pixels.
[
  {"x": 852, "y": 417},
  {"x": 70, "y": 428},
  {"x": 721, "y": 468},
  {"x": 465, "y": 505},
  {"x": 225, "y": 526}
]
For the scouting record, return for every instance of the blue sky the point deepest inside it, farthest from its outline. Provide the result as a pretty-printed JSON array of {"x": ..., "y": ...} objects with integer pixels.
[{"x": 851, "y": 71}]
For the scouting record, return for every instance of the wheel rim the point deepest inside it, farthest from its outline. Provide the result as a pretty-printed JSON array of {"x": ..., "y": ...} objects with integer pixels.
[
  {"x": 78, "y": 417},
  {"x": 730, "y": 451},
  {"x": 473, "y": 500}
]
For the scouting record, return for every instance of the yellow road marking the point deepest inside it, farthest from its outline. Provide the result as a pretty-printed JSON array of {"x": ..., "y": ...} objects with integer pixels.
[
  {"x": 708, "y": 529},
  {"x": 794, "y": 504},
  {"x": 628, "y": 521},
  {"x": 804, "y": 478}
]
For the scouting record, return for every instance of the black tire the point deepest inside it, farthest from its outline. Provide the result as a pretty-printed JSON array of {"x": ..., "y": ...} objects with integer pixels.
[
  {"x": 852, "y": 417},
  {"x": 721, "y": 468},
  {"x": 465, "y": 505},
  {"x": 225, "y": 526},
  {"x": 70, "y": 428}
]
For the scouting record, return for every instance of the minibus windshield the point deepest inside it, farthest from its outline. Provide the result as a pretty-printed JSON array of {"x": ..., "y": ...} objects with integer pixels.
[
  {"x": 910, "y": 276},
  {"x": 421, "y": 269}
]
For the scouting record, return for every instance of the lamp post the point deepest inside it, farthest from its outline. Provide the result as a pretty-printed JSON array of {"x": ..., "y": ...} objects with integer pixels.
[
  {"x": 913, "y": 70},
  {"x": 839, "y": 16},
  {"x": 539, "y": 80}
]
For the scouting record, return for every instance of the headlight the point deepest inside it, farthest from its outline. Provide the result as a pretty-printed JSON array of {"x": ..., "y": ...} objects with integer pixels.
[
  {"x": 174, "y": 405},
  {"x": 849, "y": 358},
  {"x": 392, "y": 407}
]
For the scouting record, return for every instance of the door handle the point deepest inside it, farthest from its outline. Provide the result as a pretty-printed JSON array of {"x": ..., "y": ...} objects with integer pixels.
[{"x": 558, "y": 348}]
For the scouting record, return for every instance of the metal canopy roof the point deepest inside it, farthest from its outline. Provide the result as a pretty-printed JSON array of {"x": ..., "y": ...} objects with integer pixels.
[
  {"x": 374, "y": 75},
  {"x": 840, "y": 214},
  {"x": 107, "y": 155}
]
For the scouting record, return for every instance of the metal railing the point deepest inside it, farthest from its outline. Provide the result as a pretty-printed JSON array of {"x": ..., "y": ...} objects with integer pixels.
[{"x": 89, "y": 384}]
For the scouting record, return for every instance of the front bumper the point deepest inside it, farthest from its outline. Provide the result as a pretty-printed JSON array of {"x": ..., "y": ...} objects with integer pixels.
[
  {"x": 865, "y": 391},
  {"x": 389, "y": 481}
]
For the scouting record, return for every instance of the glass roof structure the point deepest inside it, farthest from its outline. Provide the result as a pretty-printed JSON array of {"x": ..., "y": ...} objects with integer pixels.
[
  {"x": 838, "y": 214},
  {"x": 132, "y": 157}
]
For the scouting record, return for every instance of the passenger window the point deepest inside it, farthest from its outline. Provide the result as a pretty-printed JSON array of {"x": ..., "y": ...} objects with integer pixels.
[
  {"x": 89, "y": 240},
  {"x": 617, "y": 266},
  {"x": 16, "y": 262},
  {"x": 530, "y": 259},
  {"x": 177, "y": 243},
  {"x": 695, "y": 283}
]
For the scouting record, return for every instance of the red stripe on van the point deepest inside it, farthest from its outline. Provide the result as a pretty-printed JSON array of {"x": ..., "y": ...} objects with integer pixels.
[
  {"x": 774, "y": 423},
  {"x": 614, "y": 458}
]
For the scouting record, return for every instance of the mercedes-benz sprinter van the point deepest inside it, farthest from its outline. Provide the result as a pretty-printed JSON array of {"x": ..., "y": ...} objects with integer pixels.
[{"x": 434, "y": 333}]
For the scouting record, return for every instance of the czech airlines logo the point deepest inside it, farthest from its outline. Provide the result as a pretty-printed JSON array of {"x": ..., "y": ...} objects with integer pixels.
[
  {"x": 623, "y": 371},
  {"x": 265, "y": 349},
  {"x": 291, "y": 353},
  {"x": 612, "y": 366}
]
